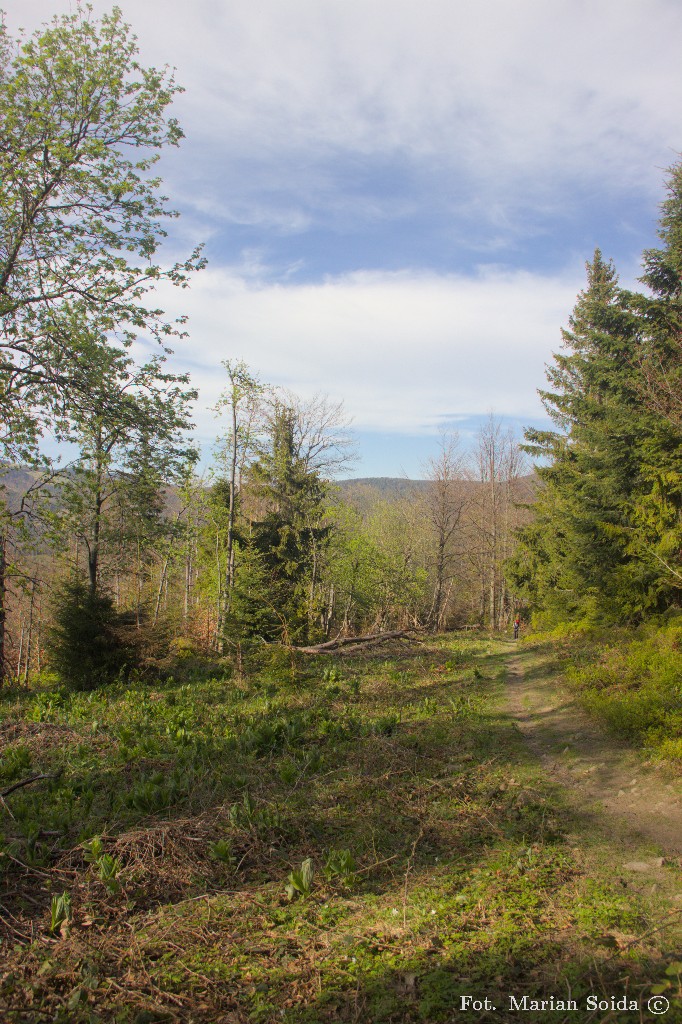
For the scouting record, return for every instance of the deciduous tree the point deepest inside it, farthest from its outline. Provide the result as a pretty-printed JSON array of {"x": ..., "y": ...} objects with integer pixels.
[
  {"x": 445, "y": 502},
  {"x": 82, "y": 124}
]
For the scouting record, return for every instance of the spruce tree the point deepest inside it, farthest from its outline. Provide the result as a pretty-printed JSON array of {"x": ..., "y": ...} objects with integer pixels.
[
  {"x": 658, "y": 509},
  {"x": 608, "y": 529},
  {"x": 292, "y": 533},
  {"x": 85, "y": 645},
  {"x": 578, "y": 551}
]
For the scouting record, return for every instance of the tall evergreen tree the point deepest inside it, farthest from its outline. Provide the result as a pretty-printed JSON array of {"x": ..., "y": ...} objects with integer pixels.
[
  {"x": 658, "y": 510},
  {"x": 609, "y": 515},
  {"x": 580, "y": 544},
  {"x": 292, "y": 532}
]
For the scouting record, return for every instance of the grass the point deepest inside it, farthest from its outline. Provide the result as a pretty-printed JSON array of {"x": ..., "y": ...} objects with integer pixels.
[
  {"x": 425, "y": 855},
  {"x": 630, "y": 679}
]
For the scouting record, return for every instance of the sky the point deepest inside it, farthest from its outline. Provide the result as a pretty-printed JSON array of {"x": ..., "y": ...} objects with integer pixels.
[{"x": 397, "y": 197}]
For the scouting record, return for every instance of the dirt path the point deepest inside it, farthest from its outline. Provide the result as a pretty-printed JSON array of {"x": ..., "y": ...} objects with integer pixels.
[{"x": 606, "y": 777}]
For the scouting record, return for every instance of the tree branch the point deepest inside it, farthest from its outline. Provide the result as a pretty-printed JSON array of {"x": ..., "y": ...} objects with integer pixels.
[{"x": 27, "y": 782}]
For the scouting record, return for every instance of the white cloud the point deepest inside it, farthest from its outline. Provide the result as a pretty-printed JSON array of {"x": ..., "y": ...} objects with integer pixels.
[
  {"x": 528, "y": 80},
  {"x": 501, "y": 99},
  {"x": 403, "y": 351}
]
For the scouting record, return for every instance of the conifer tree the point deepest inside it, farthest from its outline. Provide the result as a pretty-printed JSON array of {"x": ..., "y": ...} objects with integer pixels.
[
  {"x": 292, "y": 533},
  {"x": 658, "y": 509},
  {"x": 580, "y": 543},
  {"x": 608, "y": 528}
]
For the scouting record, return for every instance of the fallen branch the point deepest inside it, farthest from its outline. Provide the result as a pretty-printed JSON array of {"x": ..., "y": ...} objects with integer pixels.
[
  {"x": 27, "y": 867},
  {"x": 354, "y": 643},
  {"x": 6, "y": 807},
  {"x": 26, "y": 782},
  {"x": 359, "y": 648}
]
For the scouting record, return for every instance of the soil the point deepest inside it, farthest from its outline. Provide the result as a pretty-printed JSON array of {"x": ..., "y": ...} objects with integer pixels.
[{"x": 607, "y": 779}]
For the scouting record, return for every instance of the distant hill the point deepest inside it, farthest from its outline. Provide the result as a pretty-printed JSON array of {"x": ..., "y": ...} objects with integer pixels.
[
  {"x": 363, "y": 492},
  {"x": 15, "y": 483},
  {"x": 360, "y": 492},
  {"x": 386, "y": 486}
]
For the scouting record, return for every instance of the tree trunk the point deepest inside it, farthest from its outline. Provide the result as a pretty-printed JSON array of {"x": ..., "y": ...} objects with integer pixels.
[
  {"x": 231, "y": 510},
  {"x": 159, "y": 592},
  {"x": 39, "y": 636},
  {"x": 3, "y": 599},
  {"x": 349, "y": 644},
  {"x": 313, "y": 583},
  {"x": 140, "y": 581},
  {"x": 29, "y": 636},
  {"x": 188, "y": 578},
  {"x": 329, "y": 611},
  {"x": 93, "y": 547},
  {"x": 493, "y": 537},
  {"x": 20, "y": 655},
  {"x": 437, "y": 606},
  {"x": 219, "y": 595}
]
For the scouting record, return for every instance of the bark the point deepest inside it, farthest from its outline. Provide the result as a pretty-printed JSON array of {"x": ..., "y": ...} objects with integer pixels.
[
  {"x": 29, "y": 636},
  {"x": 94, "y": 545},
  {"x": 27, "y": 782},
  {"x": 329, "y": 611},
  {"x": 188, "y": 577},
  {"x": 220, "y": 607},
  {"x": 231, "y": 510},
  {"x": 313, "y": 582},
  {"x": 138, "y": 604},
  {"x": 3, "y": 599},
  {"x": 348, "y": 644},
  {"x": 163, "y": 580},
  {"x": 20, "y": 656}
]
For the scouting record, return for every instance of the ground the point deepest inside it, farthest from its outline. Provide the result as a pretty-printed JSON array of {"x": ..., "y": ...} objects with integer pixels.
[
  {"x": 597, "y": 769},
  {"x": 416, "y": 836}
]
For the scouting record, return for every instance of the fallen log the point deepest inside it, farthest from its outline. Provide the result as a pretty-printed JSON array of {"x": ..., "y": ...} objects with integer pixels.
[
  {"x": 27, "y": 782},
  {"x": 350, "y": 644}
]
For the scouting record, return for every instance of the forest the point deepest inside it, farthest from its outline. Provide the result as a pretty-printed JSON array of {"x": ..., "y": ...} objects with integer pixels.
[{"x": 264, "y": 753}]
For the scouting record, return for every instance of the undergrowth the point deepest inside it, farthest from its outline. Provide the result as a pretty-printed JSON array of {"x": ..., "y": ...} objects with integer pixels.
[
  {"x": 355, "y": 840},
  {"x": 629, "y": 678}
]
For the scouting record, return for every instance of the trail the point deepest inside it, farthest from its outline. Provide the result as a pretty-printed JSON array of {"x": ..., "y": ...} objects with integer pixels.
[{"x": 605, "y": 778}]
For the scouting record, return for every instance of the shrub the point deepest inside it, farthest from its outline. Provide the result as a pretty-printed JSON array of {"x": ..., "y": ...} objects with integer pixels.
[
  {"x": 635, "y": 684},
  {"x": 84, "y": 645}
]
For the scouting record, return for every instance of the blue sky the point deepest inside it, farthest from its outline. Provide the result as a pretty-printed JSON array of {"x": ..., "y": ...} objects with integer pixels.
[{"x": 398, "y": 197}]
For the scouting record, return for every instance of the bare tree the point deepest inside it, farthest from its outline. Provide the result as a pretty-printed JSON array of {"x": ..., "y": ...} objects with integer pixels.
[
  {"x": 498, "y": 467},
  {"x": 242, "y": 399},
  {"x": 322, "y": 437},
  {"x": 444, "y": 505}
]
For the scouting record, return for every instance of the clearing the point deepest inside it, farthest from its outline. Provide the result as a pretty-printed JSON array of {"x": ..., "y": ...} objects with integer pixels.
[{"x": 377, "y": 839}]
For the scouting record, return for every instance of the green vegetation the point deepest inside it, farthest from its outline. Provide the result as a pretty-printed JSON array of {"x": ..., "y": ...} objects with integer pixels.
[
  {"x": 81, "y": 217},
  {"x": 629, "y": 678},
  {"x": 364, "y": 840},
  {"x": 127, "y": 542},
  {"x": 86, "y": 650}
]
